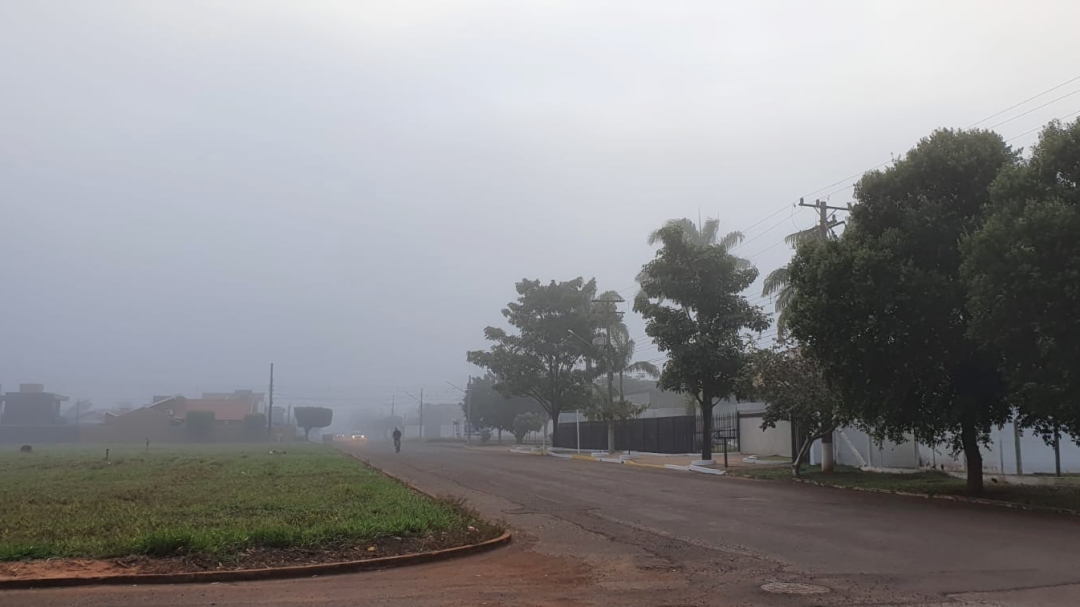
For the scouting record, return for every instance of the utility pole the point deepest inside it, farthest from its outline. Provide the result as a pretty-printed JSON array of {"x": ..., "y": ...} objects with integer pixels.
[
  {"x": 825, "y": 225},
  {"x": 270, "y": 407},
  {"x": 421, "y": 413}
]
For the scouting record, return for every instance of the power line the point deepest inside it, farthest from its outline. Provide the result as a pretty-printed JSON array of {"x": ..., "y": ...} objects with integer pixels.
[
  {"x": 1040, "y": 127},
  {"x": 1013, "y": 107},
  {"x": 1038, "y": 107}
]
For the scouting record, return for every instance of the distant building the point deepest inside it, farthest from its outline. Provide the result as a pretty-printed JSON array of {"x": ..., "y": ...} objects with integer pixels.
[{"x": 32, "y": 406}]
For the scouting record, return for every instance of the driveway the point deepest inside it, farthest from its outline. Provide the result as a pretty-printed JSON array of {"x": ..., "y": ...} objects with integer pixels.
[{"x": 605, "y": 534}]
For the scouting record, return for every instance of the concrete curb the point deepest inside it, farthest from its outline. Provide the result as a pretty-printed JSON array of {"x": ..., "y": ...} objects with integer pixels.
[
  {"x": 954, "y": 498},
  {"x": 276, "y": 573},
  {"x": 705, "y": 470},
  {"x": 654, "y": 466}
]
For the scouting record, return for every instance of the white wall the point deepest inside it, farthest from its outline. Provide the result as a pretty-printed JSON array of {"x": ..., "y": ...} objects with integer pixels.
[
  {"x": 754, "y": 441},
  {"x": 1036, "y": 456}
]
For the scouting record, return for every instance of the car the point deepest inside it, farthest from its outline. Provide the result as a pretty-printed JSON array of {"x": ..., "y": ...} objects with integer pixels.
[{"x": 356, "y": 436}]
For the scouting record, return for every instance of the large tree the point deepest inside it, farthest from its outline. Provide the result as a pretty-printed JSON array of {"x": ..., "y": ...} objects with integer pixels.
[
  {"x": 1022, "y": 269},
  {"x": 690, "y": 299},
  {"x": 541, "y": 359},
  {"x": 883, "y": 309},
  {"x": 795, "y": 390}
]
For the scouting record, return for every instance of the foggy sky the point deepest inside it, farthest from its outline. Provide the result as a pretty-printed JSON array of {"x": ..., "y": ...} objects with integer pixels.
[{"x": 190, "y": 191}]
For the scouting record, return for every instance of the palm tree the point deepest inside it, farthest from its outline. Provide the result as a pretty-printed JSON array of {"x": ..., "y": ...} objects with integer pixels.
[
  {"x": 705, "y": 235},
  {"x": 778, "y": 282}
]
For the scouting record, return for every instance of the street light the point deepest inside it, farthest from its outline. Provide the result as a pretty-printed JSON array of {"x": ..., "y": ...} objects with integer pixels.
[
  {"x": 577, "y": 414},
  {"x": 468, "y": 411}
]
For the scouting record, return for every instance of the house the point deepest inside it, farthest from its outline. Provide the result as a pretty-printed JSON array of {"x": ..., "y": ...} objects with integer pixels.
[
  {"x": 228, "y": 410},
  {"x": 32, "y": 406},
  {"x": 163, "y": 421}
]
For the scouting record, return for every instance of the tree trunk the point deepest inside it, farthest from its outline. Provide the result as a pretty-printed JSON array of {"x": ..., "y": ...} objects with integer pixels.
[
  {"x": 611, "y": 437},
  {"x": 307, "y": 434},
  {"x": 1057, "y": 452},
  {"x": 500, "y": 437},
  {"x": 554, "y": 427},
  {"x": 796, "y": 465},
  {"x": 706, "y": 426},
  {"x": 969, "y": 440},
  {"x": 827, "y": 464}
]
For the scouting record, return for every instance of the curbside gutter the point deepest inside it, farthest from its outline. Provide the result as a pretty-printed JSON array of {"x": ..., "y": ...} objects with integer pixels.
[
  {"x": 276, "y": 573},
  {"x": 953, "y": 498}
]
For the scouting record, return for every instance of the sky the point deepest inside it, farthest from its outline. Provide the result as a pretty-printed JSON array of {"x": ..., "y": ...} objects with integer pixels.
[{"x": 191, "y": 191}]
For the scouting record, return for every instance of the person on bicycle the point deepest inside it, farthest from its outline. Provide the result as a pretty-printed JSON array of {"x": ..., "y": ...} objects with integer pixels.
[{"x": 397, "y": 439}]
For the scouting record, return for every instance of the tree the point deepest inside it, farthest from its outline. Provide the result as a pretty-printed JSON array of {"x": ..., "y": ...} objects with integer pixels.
[
  {"x": 313, "y": 417},
  {"x": 795, "y": 390},
  {"x": 693, "y": 311},
  {"x": 778, "y": 282},
  {"x": 525, "y": 423},
  {"x": 489, "y": 408},
  {"x": 1022, "y": 270},
  {"x": 883, "y": 310},
  {"x": 200, "y": 426},
  {"x": 540, "y": 360},
  {"x": 704, "y": 235}
]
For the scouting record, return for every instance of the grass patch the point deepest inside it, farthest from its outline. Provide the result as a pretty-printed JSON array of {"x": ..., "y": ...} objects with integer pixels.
[
  {"x": 215, "y": 501},
  {"x": 925, "y": 483}
]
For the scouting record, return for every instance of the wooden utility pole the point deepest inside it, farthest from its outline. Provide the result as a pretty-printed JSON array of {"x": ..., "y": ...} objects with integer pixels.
[
  {"x": 270, "y": 407},
  {"x": 825, "y": 225},
  {"x": 421, "y": 413}
]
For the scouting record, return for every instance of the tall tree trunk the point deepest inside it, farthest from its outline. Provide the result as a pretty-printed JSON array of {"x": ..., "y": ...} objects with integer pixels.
[
  {"x": 554, "y": 427},
  {"x": 500, "y": 437},
  {"x": 970, "y": 442},
  {"x": 706, "y": 425},
  {"x": 827, "y": 464},
  {"x": 611, "y": 436}
]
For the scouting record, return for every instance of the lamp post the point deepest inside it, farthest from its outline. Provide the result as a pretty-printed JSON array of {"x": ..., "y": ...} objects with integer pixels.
[{"x": 468, "y": 410}]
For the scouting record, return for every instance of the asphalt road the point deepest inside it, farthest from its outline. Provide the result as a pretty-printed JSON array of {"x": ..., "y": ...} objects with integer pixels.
[{"x": 604, "y": 534}]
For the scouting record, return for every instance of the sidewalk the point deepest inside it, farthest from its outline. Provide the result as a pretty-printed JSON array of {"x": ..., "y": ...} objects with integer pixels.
[{"x": 681, "y": 462}]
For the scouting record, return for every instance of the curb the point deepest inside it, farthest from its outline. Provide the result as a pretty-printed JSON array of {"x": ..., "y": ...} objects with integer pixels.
[
  {"x": 608, "y": 460},
  {"x": 277, "y": 573},
  {"x": 953, "y": 498}
]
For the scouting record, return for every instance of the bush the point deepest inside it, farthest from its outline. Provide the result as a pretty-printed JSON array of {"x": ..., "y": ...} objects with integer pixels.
[
  {"x": 485, "y": 435},
  {"x": 525, "y": 423},
  {"x": 200, "y": 426}
]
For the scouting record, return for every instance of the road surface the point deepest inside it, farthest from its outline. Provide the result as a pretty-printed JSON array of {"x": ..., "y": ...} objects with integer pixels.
[{"x": 604, "y": 534}]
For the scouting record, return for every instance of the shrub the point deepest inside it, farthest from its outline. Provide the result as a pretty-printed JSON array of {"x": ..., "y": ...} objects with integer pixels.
[{"x": 200, "y": 426}]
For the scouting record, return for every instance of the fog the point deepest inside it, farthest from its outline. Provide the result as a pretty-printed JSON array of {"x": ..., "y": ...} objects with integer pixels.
[{"x": 190, "y": 191}]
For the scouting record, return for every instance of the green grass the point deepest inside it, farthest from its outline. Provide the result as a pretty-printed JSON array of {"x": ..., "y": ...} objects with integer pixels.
[
  {"x": 925, "y": 483},
  {"x": 220, "y": 501}
]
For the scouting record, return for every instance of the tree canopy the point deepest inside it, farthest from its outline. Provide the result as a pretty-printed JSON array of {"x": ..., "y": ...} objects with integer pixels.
[
  {"x": 1022, "y": 270},
  {"x": 795, "y": 390},
  {"x": 541, "y": 359},
  {"x": 690, "y": 299},
  {"x": 883, "y": 308}
]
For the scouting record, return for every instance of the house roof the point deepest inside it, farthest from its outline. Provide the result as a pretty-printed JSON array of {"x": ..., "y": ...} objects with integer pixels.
[{"x": 228, "y": 410}]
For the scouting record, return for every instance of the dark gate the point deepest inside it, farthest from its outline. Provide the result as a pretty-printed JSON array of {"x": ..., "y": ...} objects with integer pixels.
[{"x": 651, "y": 435}]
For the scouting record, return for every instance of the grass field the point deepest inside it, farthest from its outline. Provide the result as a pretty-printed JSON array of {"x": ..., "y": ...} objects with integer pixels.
[
  {"x": 925, "y": 483},
  {"x": 216, "y": 501}
]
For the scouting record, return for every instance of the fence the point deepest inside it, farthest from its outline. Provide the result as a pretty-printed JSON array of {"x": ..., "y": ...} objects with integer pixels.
[
  {"x": 652, "y": 435},
  {"x": 725, "y": 430}
]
